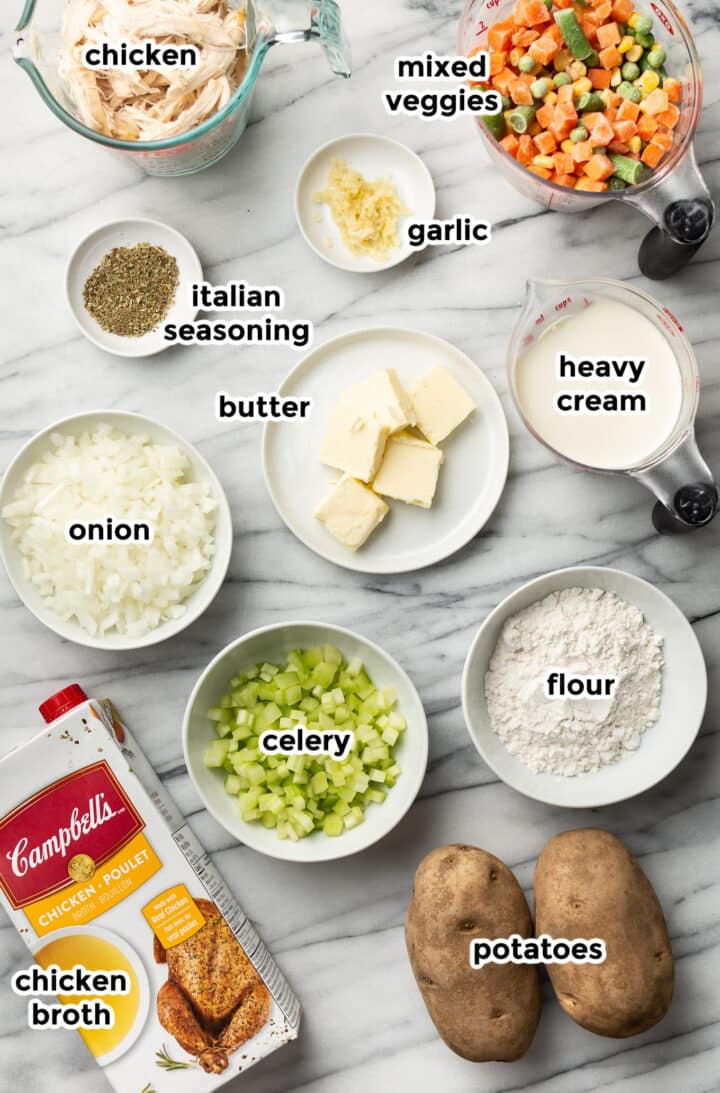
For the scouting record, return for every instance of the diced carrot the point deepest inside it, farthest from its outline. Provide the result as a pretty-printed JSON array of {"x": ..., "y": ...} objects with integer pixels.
[
  {"x": 612, "y": 99},
  {"x": 520, "y": 93},
  {"x": 603, "y": 10},
  {"x": 563, "y": 163},
  {"x": 611, "y": 114},
  {"x": 582, "y": 151},
  {"x": 511, "y": 144},
  {"x": 554, "y": 32},
  {"x": 525, "y": 37},
  {"x": 497, "y": 63},
  {"x": 591, "y": 185},
  {"x": 628, "y": 111},
  {"x": 624, "y": 130},
  {"x": 536, "y": 13},
  {"x": 664, "y": 139},
  {"x": 647, "y": 127},
  {"x": 545, "y": 144},
  {"x": 564, "y": 3},
  {"x": 545, "y": 115},
  {"x": 526, "y": 149},
  {"x": 608, "y": 35},
  {"x": 591, "y": 118},
  {"x": 657, "y": 102},
  {"x": 619, "y": 147},
  {"x": 590, "y": 29},
  {"x": 519, "y": 14},
  {"x": 652, "y": 154},
  {"x": 622, "y": 10},
  {"x": 566, "y": 109},
  {"x": 565, "y": 180},
  {"x": 542, "y": 172},
  {"x": 599, "y": 168},
  {"x": 566, "y": 93},
  {"x": 562, "y": 126},
  {"x": 500, "y": 37},
  {"x": 610, "y": 57},
  {"x": 601, "y": 133},
  {"x": 503, "y": 81},
  {"x": 534, "y": 128},
  {"x": 599, "y": 78},
  {"x": 673, "y": 88},
  {"x": 544, "y": 49},
  {"x": 669, "y": 117}
]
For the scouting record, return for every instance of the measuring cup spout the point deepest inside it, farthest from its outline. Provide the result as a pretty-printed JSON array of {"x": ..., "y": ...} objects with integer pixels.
[
  {"x": 684, "y": 485},
  {"x": 683, "y": 210}
]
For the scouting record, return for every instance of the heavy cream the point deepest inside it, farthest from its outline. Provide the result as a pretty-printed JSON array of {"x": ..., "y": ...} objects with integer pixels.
[{"x": 601, "y": 387}]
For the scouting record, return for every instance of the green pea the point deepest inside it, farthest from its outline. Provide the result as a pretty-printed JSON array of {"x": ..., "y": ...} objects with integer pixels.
[
  {"x": 645, "y": 40},
  {"x": 579, "y": 134},
  {"x": 643, "y": 24},
  {"x": 562, "y": 79},
  {"x": 540, "y": 88},
  {"x": 526, "y": 64},
  {"x": 634, "y": 94},
  {"x": 630, "y": 71},
  {"x": 657, "y": 57}
]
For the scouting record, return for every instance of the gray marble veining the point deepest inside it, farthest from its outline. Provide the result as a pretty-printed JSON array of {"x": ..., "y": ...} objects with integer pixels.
[{"x": 337, "y": 928}]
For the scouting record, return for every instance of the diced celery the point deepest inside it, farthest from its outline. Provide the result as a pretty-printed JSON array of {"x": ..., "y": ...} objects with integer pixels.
[
  {"x": 216, "y": 752},
  {"x": 333, "y": 825},
  {"x": 233, "y": 785}
]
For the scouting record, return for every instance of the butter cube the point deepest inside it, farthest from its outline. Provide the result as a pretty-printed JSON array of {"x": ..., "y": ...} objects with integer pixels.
[
  {"x": 409, "y": 470},
  {"x": 351, "y": 512},
  {"x": 354, "y": 443},
  {"x": 441, "y": 404},
  {"x": 383, "y": 395}
]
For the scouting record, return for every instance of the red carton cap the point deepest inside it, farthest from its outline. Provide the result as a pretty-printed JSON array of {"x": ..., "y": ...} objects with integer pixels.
[{"x": 64, "y": 700}]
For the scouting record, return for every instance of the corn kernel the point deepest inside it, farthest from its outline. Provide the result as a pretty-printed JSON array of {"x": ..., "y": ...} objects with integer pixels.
[
  {"x": 635, "y": 144},
  {"x": 543, "y": 161},
  {"x": 649, "y": 81},
  {"x": 515, "y": 56},
  {"x": 577, "y": 69},
  {"x": 627, "y": 43},
  {"x": 635, "y": 53},
  {"x": 582, "y": 85},
  {"x": 632, "y": 21},
  {"x": 567, "y": 147},
  {"x": 551, "y": 98},
  {"x": 616, "y": 77}
]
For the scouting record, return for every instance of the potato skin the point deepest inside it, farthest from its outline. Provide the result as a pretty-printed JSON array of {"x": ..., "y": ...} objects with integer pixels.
[
  {"x": 587, "y": 884},
  {"x": 461, "y": 893}
]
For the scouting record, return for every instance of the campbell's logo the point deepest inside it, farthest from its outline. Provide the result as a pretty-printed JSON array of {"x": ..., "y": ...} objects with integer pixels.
[{"x": 87, "y": 811}]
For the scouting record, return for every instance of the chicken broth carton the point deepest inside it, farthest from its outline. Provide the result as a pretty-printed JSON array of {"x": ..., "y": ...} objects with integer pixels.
[{"x": 99, "y": 869}]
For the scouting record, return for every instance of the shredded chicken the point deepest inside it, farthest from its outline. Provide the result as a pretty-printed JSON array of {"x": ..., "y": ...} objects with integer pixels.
[{"x": 156, "y": 103}]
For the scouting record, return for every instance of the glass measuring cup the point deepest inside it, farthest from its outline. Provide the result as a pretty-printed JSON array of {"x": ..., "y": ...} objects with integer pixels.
[
  {"x": 675, "y": 196},
  {"x": 38, "y": 39},
  {"x": 675, "y": 472}
]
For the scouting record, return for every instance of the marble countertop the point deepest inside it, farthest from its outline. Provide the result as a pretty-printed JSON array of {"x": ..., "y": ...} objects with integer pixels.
[{"x": 336, "y": 928}]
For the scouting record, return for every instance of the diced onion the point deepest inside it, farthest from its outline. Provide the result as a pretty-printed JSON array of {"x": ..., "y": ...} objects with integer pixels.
[{"x": 126, "y": 587}]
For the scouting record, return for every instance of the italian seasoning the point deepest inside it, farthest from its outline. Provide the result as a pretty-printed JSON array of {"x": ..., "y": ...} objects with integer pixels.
[{"x": 132, "y": 289}]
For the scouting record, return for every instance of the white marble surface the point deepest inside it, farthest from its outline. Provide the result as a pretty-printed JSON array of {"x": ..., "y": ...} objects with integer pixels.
[{"x": 337, "y": 928}]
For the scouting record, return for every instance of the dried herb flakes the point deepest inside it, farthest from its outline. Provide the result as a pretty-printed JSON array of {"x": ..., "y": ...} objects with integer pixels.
[{"x": 132, "y": 289}]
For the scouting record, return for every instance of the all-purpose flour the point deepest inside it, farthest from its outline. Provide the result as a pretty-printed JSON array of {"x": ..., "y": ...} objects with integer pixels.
[{"x": 583, "y": 631}]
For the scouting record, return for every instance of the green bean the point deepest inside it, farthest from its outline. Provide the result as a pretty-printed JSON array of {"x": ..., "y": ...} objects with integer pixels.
[
  {"x": 496, "y": 125},
  {"x": 561, "y": 79},
  {"x": 578, "y": 135},
  {"x": 573, "y": 34},
  {"x": 522, "y": 117},
  {"x": 626, "y": 169},
  {"x": 617, "y": 184},
  {"x": 506, "y": 102},
  {"x": 590, "y": 100}
]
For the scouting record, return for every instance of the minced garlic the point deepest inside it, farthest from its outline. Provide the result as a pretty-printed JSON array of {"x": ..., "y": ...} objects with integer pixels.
[{"x": 365, "y": 210}]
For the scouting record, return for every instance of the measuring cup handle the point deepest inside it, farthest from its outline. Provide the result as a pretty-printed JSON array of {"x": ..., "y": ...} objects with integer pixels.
[
  {"x": 694, "y": 507},
  {"x": 668, "y": 249},
  {"x": 325, "y": 26}
]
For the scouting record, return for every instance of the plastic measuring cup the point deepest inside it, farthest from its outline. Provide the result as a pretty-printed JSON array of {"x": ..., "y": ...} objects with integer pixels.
[
  {"x": 675, "y": 472},
  {"x": 675, "y": 196},
  {"x": 38, "y": 40}
]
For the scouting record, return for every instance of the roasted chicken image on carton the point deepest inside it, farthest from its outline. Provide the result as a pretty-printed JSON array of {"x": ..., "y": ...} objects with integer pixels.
[{"x": 213, "y": 1001}]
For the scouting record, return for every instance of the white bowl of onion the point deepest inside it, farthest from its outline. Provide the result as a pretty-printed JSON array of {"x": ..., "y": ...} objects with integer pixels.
[
  {"x": 273, "y": 645},
  {"x": 142, "y": 586}
]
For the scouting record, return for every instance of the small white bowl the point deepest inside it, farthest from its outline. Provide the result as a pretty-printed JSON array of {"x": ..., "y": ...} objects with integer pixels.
[
  {"x": 200, "y": 470},
  {"x": 373, "y": 157},
  {"x": 273, "y": 643},
  {"x": 663, "y": 745},
  {"x": 91, "y": 250}
]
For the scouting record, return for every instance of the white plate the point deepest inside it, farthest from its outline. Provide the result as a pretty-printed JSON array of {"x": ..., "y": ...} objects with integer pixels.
[
  {"x": 273, "y": 643},
  {"x": 663, "y": 746},
  {"x": 374, "y": 157},
  {"x": 471, "y": 479},
  {"x": 126, "y": 233},
  {"x": 200, "y": 470},
  {"x": 135, "y": 963}
]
